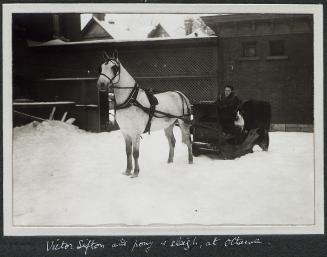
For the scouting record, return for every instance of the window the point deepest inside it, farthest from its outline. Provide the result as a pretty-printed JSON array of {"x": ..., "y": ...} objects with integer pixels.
[
  {"x": 277, "y": 48},
  {"x": 249, "y": 49}
]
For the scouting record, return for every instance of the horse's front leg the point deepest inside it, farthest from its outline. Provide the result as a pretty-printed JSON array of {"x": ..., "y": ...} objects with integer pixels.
[
  {"x": 136, "y": 147},
  {"x": 128, "y": 144},
  {"x": 186, "y": 138},
  {"x": 169, "y": 132}
]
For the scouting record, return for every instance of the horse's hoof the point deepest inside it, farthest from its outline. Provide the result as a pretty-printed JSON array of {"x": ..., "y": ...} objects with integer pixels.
[
  {"x": 127, "y": 173},
  {"x": 190, "y": 162},
  {"x": 135, "y": 174}
]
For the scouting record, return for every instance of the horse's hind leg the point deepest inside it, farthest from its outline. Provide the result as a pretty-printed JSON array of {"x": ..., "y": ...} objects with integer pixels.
[
  {"x": 136, "y": 146},
  {"x": 186, "y": 138},
  {"x": 128, "y": 144},
  {"x": 169, "y": 132}
]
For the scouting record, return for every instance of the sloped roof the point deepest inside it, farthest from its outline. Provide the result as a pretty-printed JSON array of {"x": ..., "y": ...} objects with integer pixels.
[
  {"x": 117, "y": 31},
  {"x": 174, "y": 30},
  {"x": 114, "y": 30},
  {"x": 155, "y": 29}
]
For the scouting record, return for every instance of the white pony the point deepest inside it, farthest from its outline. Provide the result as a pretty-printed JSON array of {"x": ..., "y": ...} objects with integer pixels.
[{"x": 133, "y": 111}]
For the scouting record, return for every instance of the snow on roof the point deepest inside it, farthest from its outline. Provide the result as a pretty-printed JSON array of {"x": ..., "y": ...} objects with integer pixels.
[
  {"x": 115, "y": 30},
  {"x": 141, "y": 32},
  {"x": 198, "y": 33},
  {"x": 32, "y": 43},
  {"x": 99, "y": 41},
  {"x": 118, "y": 31},
  {"x": 173, "y": 30},
  {"x": 141, "y": 25}
]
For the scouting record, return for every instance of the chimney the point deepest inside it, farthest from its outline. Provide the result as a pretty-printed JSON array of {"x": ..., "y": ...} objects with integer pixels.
[
  {"x": 67, "y": 26},
  {"x": 188, "y": 26},
  {"x": 99, "y": 16}
]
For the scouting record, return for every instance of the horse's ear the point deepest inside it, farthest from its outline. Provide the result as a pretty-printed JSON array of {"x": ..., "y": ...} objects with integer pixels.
[
  {"x": 106, "y": 56},
  {"x": 115, "y": 54}
]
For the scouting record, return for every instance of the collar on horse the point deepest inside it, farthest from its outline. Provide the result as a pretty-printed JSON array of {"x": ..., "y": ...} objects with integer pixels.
[{"x": 131, "y": 99}]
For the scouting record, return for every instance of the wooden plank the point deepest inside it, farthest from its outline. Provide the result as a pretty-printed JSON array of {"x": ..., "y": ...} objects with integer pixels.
[
  {"x": 68, "y": 79},
  {"x": 42, "y": 104},
  {"x": 32, "y": 117}
]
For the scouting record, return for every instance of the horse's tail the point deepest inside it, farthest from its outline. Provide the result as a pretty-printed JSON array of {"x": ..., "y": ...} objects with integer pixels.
[
  {"x": 186, "y": 122},
  {"x": 188, "y": 113}
]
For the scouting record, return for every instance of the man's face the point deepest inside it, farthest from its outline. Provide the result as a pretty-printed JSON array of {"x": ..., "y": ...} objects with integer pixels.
[{"x": 227, "y": 91}]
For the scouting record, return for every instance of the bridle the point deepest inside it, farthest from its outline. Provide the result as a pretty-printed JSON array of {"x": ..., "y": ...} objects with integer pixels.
[
  {"x": 133, "y": 94},
  {"x": 117, "y": 73}
]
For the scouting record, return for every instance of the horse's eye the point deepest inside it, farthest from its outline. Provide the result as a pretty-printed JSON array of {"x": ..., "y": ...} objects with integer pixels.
[{"x": 115, "y": 69}]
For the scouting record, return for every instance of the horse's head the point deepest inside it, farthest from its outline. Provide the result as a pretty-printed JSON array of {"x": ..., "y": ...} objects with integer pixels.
[{"x": 109, "y": 72}]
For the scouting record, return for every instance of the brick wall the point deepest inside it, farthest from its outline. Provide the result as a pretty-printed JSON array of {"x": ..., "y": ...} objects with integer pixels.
[{"x": 286, "y": 82}]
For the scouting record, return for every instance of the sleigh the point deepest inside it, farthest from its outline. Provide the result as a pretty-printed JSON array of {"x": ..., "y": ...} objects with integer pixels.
[{"x": 208, "y": 137}]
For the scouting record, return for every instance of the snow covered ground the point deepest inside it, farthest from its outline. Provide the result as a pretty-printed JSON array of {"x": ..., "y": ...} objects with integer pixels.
[{"x": 66, "y": 176}]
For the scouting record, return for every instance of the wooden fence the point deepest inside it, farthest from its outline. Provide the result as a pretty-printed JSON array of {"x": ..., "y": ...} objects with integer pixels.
[{"x": 68, "y": 72}]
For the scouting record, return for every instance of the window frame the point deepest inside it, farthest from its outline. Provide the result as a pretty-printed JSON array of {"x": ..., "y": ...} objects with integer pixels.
[
  {"x": 273, "y": 49},
  {"x": 246, "y": 46}
]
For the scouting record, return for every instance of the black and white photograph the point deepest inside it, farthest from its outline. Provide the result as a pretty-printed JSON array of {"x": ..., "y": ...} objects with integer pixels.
[{"x": 133, "y": 120}]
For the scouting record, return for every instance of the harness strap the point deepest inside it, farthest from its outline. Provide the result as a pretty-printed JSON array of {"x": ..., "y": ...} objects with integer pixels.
[
  {"x": 182, "y": 96},
  {"x": 153, "y": 102},
  {"x": 150, "y": 111},
  {"x": 130, "y": 99},
  {"x": 148, "y": 124}
]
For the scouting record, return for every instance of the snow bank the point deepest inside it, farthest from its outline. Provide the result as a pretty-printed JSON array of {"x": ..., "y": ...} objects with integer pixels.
[{"x": 66, "y": 176}]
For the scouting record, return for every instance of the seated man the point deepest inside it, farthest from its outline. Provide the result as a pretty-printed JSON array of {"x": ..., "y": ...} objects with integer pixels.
[{"x": 227, "y": 105}]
